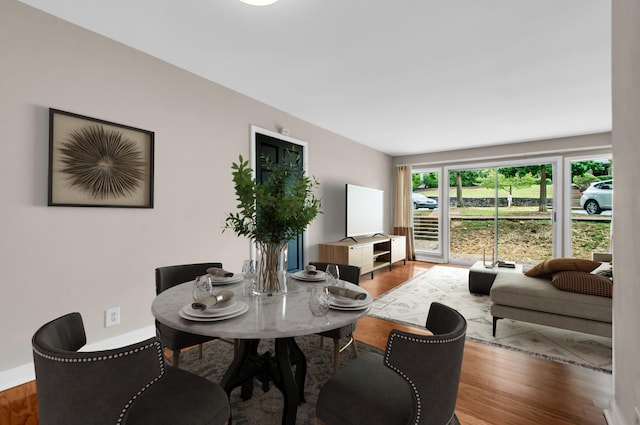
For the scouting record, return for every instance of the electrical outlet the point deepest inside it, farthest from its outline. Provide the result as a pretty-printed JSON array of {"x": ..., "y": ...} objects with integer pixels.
[{"x": 111, "y": 317}]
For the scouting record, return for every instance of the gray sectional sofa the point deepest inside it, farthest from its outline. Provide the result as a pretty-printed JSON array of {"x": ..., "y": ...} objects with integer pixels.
[{"x": 535, "y": 300}]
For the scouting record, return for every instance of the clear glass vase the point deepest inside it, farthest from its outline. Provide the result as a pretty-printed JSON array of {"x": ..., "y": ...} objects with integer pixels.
[{"x": 272, "y": 269}]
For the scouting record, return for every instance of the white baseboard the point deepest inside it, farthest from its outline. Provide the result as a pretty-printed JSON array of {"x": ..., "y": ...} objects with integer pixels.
[
  {"x": 22, "y": 374},
  {"x": 16, "y": 376},
  {"x": 612, "y": 414}
]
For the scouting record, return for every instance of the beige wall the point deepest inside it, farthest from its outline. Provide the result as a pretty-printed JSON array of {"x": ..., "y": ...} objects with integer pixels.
[
  {"x": 58, "y": 259},
  {"x": 626, "y": 248}
]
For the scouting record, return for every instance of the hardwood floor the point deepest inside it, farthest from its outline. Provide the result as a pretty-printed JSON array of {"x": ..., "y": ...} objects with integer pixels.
[
  {"x": 497, "y": 386},
  {"x": 502, "y": 387},
  {"x": 19, "y": 405}
]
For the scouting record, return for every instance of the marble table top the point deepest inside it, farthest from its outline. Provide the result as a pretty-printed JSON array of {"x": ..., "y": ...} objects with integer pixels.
[{"x": 276, "y": 316}]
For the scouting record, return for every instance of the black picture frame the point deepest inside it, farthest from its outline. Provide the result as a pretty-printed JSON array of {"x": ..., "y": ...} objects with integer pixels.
[{"x": 98, "y": 163}]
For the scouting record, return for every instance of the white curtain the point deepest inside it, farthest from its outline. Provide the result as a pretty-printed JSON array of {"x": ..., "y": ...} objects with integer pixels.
[{"x": 403, "y": 215}]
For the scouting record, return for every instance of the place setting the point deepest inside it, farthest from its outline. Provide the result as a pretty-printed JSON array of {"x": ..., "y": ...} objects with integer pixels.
[
  {"x": 220, "y": 276},
  {"x": 310, "y": 274},
  {"x": 343, "y": 298},
  {"x": 211, "y": 306},
  {"x": 338, "y": 297}
]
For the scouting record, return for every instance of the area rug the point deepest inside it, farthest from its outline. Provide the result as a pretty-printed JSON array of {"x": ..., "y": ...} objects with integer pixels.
[
  {"x": 409, "y": 303},
  {"x": 265, "y": 408}
]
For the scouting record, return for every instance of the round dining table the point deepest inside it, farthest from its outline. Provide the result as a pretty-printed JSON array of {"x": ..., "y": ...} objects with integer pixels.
[{"x": 281, "y": 317}]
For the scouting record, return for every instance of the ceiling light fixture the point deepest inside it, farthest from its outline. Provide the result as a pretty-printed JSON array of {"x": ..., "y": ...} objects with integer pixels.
[{"x": 259, "y": 2}]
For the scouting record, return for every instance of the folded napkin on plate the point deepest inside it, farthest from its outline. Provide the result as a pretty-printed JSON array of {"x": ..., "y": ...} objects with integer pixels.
[
  {"x": 218, "y": 272},
  {"x": 212, "y": 300},
  {"x": 348, "y": 293}
]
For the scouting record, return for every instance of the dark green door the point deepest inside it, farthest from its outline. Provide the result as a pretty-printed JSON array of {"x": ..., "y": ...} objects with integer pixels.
[{"x": 274, "y": 149}]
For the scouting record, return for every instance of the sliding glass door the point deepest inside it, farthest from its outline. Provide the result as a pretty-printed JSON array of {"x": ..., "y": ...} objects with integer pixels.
[
  {"x": 522, "y": 211},
  {"x": 501, "y": 213}
]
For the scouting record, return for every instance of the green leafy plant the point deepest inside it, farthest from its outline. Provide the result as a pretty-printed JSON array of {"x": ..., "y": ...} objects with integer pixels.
[
  {"x": 273, "y": 212},
  {"x": 277, "y": 210}
]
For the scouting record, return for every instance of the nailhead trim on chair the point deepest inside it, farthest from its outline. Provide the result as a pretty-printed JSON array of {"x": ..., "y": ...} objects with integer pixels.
[
  {"x": 413, "y": 387},
  {"x": 154, "y": 344}
]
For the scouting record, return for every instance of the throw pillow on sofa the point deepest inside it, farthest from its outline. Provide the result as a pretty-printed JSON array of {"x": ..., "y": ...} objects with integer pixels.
[
  {"x": 583, "y": 283},
  {"x": 548, "y": 267}
]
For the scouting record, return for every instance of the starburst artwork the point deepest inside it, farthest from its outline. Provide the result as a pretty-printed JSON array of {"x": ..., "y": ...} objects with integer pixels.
[
  {"x": 102, "y": 162},
  {"x": 98, "y": 163}
]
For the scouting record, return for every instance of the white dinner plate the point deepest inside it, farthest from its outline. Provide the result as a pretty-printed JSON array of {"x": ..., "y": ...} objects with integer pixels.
[
  {"x": 346, "y": 303},
  {"x": 302, "y": 275},
  {"x": 220, "y": 280},
  {"x": 243, "y": 309},
  {"x": 221, "y": 309},
  {"x": 350, "y": 308}
]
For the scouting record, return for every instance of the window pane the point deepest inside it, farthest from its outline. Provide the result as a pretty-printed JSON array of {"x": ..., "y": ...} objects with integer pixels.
[
  {"x": 591, "y": 207},
  {"x": 517, "y": 215}
]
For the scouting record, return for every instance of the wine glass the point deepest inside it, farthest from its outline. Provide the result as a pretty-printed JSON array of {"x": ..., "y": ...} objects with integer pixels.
[
  {"x": 319, "y": 300},
  {"x": 249, "y": 271},
  {"x": 333, "y": 274},
  {"x": 202, "y": 288}
]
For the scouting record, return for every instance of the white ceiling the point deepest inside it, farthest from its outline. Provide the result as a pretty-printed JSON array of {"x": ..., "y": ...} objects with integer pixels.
[{"x": 401, "y": 76}]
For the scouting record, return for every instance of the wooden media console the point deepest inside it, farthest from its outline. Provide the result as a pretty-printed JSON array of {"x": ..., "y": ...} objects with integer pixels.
[{"x": 370, "y": 254}]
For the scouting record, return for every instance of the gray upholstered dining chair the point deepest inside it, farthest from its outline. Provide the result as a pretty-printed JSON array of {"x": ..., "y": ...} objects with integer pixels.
[
  {"x": 126, "y": 385},
  {"x": 173, "y": 339},
  {"x": 350, "y": 274},
  {"x": 414, "y": 382}
]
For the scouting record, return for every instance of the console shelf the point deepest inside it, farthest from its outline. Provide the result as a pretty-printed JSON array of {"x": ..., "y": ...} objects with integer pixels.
[{"x": 370, "y": 254}]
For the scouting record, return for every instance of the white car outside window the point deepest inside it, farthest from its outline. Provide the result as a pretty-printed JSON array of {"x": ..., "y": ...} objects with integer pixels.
[
  {"x": 597, "y": 197},
  {"x": 421, "y": 201}
]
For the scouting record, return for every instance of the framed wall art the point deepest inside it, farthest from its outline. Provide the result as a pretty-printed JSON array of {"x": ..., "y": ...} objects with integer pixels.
[{"x": 96, "y": 163}]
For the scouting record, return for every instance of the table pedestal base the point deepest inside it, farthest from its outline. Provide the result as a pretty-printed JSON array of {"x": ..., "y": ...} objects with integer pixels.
[{"x": 268, "y": 368}]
